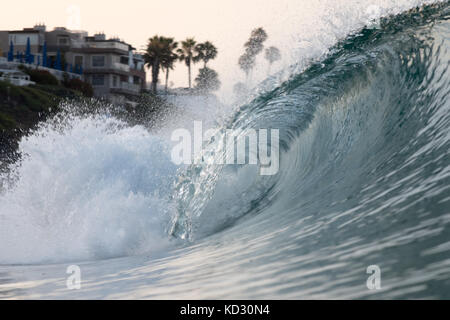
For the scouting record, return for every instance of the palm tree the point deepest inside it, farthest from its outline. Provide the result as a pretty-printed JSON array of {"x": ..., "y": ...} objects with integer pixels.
[
  {"x": 246, "y": 63},
  {"x": 253, "y": 47},
  {"x": 206, "y": 51},
  {"x": 170, "y": 57},
  {"x": 156, "y": 51},
  {"x": 272, "y": 54},
  {"x": 187, "y": 54},
  {"x": 255, "y": 44}
]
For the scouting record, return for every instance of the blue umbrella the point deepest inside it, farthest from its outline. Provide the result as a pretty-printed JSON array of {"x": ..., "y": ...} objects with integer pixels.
[
  {"x": 28, "y": 52},
  {"x": 58, "y": 64},
  {"x": 71, "y": 68},
  {"x": 11, "y": 52},
  {"x": 44, "y": 55}
]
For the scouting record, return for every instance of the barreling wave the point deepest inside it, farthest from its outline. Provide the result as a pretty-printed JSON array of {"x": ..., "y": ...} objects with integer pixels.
[{"x": 340, "y": 120}]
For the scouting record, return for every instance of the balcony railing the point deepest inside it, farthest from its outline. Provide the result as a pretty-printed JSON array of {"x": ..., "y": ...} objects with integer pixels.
[
  {"x": 101, "y": 45},
  {"x": 121, "y": 66}
]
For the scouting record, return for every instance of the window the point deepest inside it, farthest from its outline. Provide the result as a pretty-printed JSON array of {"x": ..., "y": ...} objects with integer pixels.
[
  {"x": 63, "y": 41},
  {"x": 114, "y": 81},
  {"x": 124, "y": 60},
  {"x": 98, "y": 80},
  {"x": 98, "y": 61}
]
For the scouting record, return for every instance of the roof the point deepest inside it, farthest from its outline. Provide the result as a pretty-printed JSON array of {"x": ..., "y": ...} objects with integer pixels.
[{"x": 25, "y": 31}]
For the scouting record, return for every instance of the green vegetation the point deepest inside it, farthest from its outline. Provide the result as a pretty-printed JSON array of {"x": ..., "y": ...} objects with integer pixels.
[
  {"x": 80, "y": 86},
  {"x": 207, "y": 80},
  {"x": 45, "y": 78},
  {"x": 42, "y": 77},
  {"x": 156, "y": 52},
  {"x": 170, "y": 57},
  {"x": 22, "y": 108},
  {"x": 188, "y": 55},
  {"x": 253, "y": 47},
  {"x": 25, "y": 106},
  {"x": 6, "y": 122},
  {"x": 205, "y": 52}
]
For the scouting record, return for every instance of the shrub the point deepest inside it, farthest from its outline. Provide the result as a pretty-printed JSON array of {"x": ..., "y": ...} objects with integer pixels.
[
  {"x": 6, "y": 122},
  {"x": 207, "y": 80},
  {"x": 81, "y": 86},
  {"x": 41, "y": 76}
]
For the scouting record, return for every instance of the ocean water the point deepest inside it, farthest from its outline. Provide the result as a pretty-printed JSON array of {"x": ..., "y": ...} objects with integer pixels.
[{"x": 364, "y": 180}]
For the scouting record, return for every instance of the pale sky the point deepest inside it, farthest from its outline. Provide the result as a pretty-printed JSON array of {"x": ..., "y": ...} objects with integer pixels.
[{"x": 291, "y": 24}]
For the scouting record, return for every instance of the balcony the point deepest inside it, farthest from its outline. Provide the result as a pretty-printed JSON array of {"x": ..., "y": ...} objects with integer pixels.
[
  {"x": 121, "y": 66},
  {"x": 114, "y": 68}
]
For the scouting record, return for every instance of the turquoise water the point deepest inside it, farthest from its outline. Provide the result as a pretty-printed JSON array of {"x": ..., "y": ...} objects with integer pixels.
[{"x": 364, "y": 180}]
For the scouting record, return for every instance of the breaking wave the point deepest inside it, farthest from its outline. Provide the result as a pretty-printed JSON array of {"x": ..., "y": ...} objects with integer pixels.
[{"x": 364, "y": 176}]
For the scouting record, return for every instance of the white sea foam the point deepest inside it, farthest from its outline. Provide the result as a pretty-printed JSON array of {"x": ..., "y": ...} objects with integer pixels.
[{"x": 94, "y": 189}]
